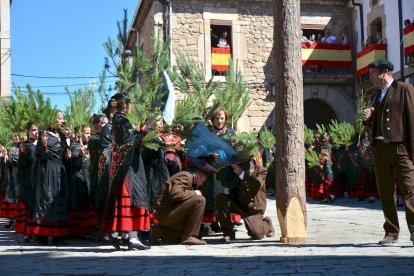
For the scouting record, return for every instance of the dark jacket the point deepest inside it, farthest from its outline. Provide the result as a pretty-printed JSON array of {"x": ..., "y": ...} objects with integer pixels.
[
  {"x": 177, "y": 189},
  {"x": 397, "y": 118}
]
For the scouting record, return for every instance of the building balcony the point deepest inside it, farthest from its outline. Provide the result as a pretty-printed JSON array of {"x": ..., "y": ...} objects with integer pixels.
[
  {"x": 409, "y": 45},
  {"x": 326, "y": 63},
  {"x": 365, "y": 57}
]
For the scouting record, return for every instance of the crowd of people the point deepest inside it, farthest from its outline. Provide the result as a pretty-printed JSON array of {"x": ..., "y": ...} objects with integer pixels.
[
  {"x": 100, "y": 182},
  {"x": 327, "y": 38}
]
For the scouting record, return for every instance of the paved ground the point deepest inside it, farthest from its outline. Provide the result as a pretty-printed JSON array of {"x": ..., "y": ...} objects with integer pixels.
[{"x": 342, "y": 240}]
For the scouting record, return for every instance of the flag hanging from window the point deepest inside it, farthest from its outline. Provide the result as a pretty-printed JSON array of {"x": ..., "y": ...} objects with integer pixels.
[{"x": 220, "y": 59}]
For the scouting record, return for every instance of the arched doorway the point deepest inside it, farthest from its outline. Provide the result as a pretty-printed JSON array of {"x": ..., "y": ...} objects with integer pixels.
[{"x": 318, "y": 112}]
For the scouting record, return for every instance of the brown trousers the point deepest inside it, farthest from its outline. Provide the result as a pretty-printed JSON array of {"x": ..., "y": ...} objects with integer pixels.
[
  {"x": 393, "y": 165},
  {"x": 181, "y": 221},
  {"x": 257, "y": 226}
]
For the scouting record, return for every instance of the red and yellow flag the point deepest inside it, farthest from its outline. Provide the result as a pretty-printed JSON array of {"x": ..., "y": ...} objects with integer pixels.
[
  {"x": 366, "y": 56},
  {"x": 326, "y": 54},
  {"x": 220, "y": 59},
  {"x": 409, "y": 39}
]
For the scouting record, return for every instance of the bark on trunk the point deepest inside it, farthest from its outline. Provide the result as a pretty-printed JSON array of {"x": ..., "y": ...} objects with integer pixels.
[{"x": 290, "y": 158}]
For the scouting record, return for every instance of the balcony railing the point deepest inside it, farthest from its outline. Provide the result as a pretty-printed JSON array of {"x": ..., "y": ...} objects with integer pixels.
[
  {"x": 368, "y": 55},
  {"x": 220, "y": 59},
  {"x": 409, "y": 44}
]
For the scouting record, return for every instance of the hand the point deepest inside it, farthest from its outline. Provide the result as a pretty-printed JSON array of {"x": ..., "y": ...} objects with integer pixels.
[
  {"x": 367, "y": 113},
  {"x": 22, "y": 147},
  {"x": 44, "y": 138},
  {"x": 198, "y": 192},
  {"x": 68, "y": 154},
  {"x": 237, "y": 169}
]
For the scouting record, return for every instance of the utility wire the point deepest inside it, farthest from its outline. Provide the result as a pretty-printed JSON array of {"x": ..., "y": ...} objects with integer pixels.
[
  {"x": 63, "y": 85},
  {"x": 55, "y": 77}
]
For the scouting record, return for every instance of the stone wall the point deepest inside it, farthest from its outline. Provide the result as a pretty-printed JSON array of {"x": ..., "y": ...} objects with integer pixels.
[{"x": 252, "y": 40}]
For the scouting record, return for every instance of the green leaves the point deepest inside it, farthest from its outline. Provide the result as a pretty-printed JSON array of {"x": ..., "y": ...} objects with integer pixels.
[
  {"x": 267, "y": 139},
  {"x": 234, "y": 96},
  {"x": 309, "y": 137},
  {"x": 80, "y": 110},
  {"x": 23, "y": 107},
  {"x": 312, "y": 159},
  {"x": 341, "y": 133}
]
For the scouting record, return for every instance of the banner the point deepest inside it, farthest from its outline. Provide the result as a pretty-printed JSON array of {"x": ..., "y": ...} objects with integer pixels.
[
  {"x": 326, "y": 54},
  {"x": 366, "y": 56},
  {"x": 409, "y": 39},
  {"x": 220, "y": 59}
]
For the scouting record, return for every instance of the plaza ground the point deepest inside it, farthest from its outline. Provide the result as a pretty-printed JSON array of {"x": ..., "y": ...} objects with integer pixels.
[{"x": 343, "y": 239}]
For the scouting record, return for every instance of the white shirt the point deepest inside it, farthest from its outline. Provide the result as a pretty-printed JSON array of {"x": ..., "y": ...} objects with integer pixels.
[{"x": 383, "y": 92}]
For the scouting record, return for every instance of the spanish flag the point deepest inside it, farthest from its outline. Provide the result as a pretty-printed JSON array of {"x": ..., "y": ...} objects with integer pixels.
[
  {"x": 326, "y": 54},
  {"x": 220, "y": 59},
  {"x": 409, "y": 39},
  {"x": 366, "y": 56}
]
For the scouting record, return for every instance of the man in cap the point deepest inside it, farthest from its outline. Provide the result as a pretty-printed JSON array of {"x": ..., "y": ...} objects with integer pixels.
[
  {"x": 391, "y": 122},
  {"x": 180, "y": 206},
  {"x": 247, "y": 197}
]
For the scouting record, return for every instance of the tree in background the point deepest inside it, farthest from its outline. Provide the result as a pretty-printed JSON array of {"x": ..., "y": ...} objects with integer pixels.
[
  {"x": 80, "y": 110},
  {"x": 16, "y": 111}
]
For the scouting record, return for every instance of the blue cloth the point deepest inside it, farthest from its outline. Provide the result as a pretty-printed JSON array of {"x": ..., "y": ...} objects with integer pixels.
[{"x": 203, "y": 143}]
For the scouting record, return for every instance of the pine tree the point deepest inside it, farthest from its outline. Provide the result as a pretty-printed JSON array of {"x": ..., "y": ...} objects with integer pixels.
[
  {"x": 189, "y": 77},
  {"x": 21, "y": 108},
  {"x": 341, "y": 133},
  {"x": 80, "y": 110},
  {"x": 362, "y": 105},
  {"x": 234, "y": 96}
]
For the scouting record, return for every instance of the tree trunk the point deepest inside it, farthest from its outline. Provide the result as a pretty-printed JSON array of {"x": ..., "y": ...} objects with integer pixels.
[{"x": 290, "y": 155}]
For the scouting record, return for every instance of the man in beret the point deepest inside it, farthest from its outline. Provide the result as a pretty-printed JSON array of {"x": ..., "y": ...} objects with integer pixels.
[
  {"x": 391, "y": 122},
  {"x": 179, "y": 208},
  {"x": 247, "y": 197}
]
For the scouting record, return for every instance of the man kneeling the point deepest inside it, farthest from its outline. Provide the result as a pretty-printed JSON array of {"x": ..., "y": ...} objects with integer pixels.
[
  {"x": 179, "y": 209},
  {"x": 246, "y": 183}
]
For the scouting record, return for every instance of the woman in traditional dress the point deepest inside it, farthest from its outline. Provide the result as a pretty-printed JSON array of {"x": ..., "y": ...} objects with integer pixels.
[
  {"x": 126, "y": 209},
  {"x": 219, "y": 127},
  {"x": 10, "y": 189},
  {"x": 26, "y": 161},
  {"x": 82, "y": 215},
  {"x": 94, "y": 147},
  {"x": 48, "y": 218},
  {"x": 156, "y": 169},
  {"x": 104, "y": 160}
]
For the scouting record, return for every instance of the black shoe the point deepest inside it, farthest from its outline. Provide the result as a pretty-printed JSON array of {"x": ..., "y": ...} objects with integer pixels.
[
  {"x": 9, "y": 224},
  {"x": 26, "y": 239},
  {"x": 332, "y": 198},
  {"x": 115, "y": 242},
  {"x": 59, "y": 241},
  {"x": 42, "y": 240},
  {"x": 139, "y": 246}
]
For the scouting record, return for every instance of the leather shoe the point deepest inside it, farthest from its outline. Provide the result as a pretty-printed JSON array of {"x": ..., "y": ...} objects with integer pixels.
[
  {"x": 388, "y": 239},
  {"x": 139, "y": 246},
  {"x": 271, "y": 232},
  {"x": 193, "y": 241},
  {"x": 115, "y": 242}
]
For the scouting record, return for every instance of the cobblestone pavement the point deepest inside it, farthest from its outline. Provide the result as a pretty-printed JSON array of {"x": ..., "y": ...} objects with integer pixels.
[{"x": 342, "y": 240}]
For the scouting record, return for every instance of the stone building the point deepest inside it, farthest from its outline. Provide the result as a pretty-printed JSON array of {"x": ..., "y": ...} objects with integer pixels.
[
  {"x": 5, "y": 52},
  {"x": 194, "y": 26},
  {"x": 383, "y": 21}
]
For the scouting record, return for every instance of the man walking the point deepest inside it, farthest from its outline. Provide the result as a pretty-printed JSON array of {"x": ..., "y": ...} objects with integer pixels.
[{"x": 391, "y": 121}]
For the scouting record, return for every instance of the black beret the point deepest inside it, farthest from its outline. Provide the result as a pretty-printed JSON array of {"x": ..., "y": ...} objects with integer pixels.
[{"x": 381, "y": 64}]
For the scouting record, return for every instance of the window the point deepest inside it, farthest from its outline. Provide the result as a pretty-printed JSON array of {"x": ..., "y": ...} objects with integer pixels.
[{"x": 221, "y": 47}]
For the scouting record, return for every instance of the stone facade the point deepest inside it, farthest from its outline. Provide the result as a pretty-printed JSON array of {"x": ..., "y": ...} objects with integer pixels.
[{"x": 251, "y": 23}]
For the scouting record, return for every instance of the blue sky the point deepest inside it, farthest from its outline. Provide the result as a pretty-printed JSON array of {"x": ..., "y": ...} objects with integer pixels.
[{"x": 62, "y": 38}]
